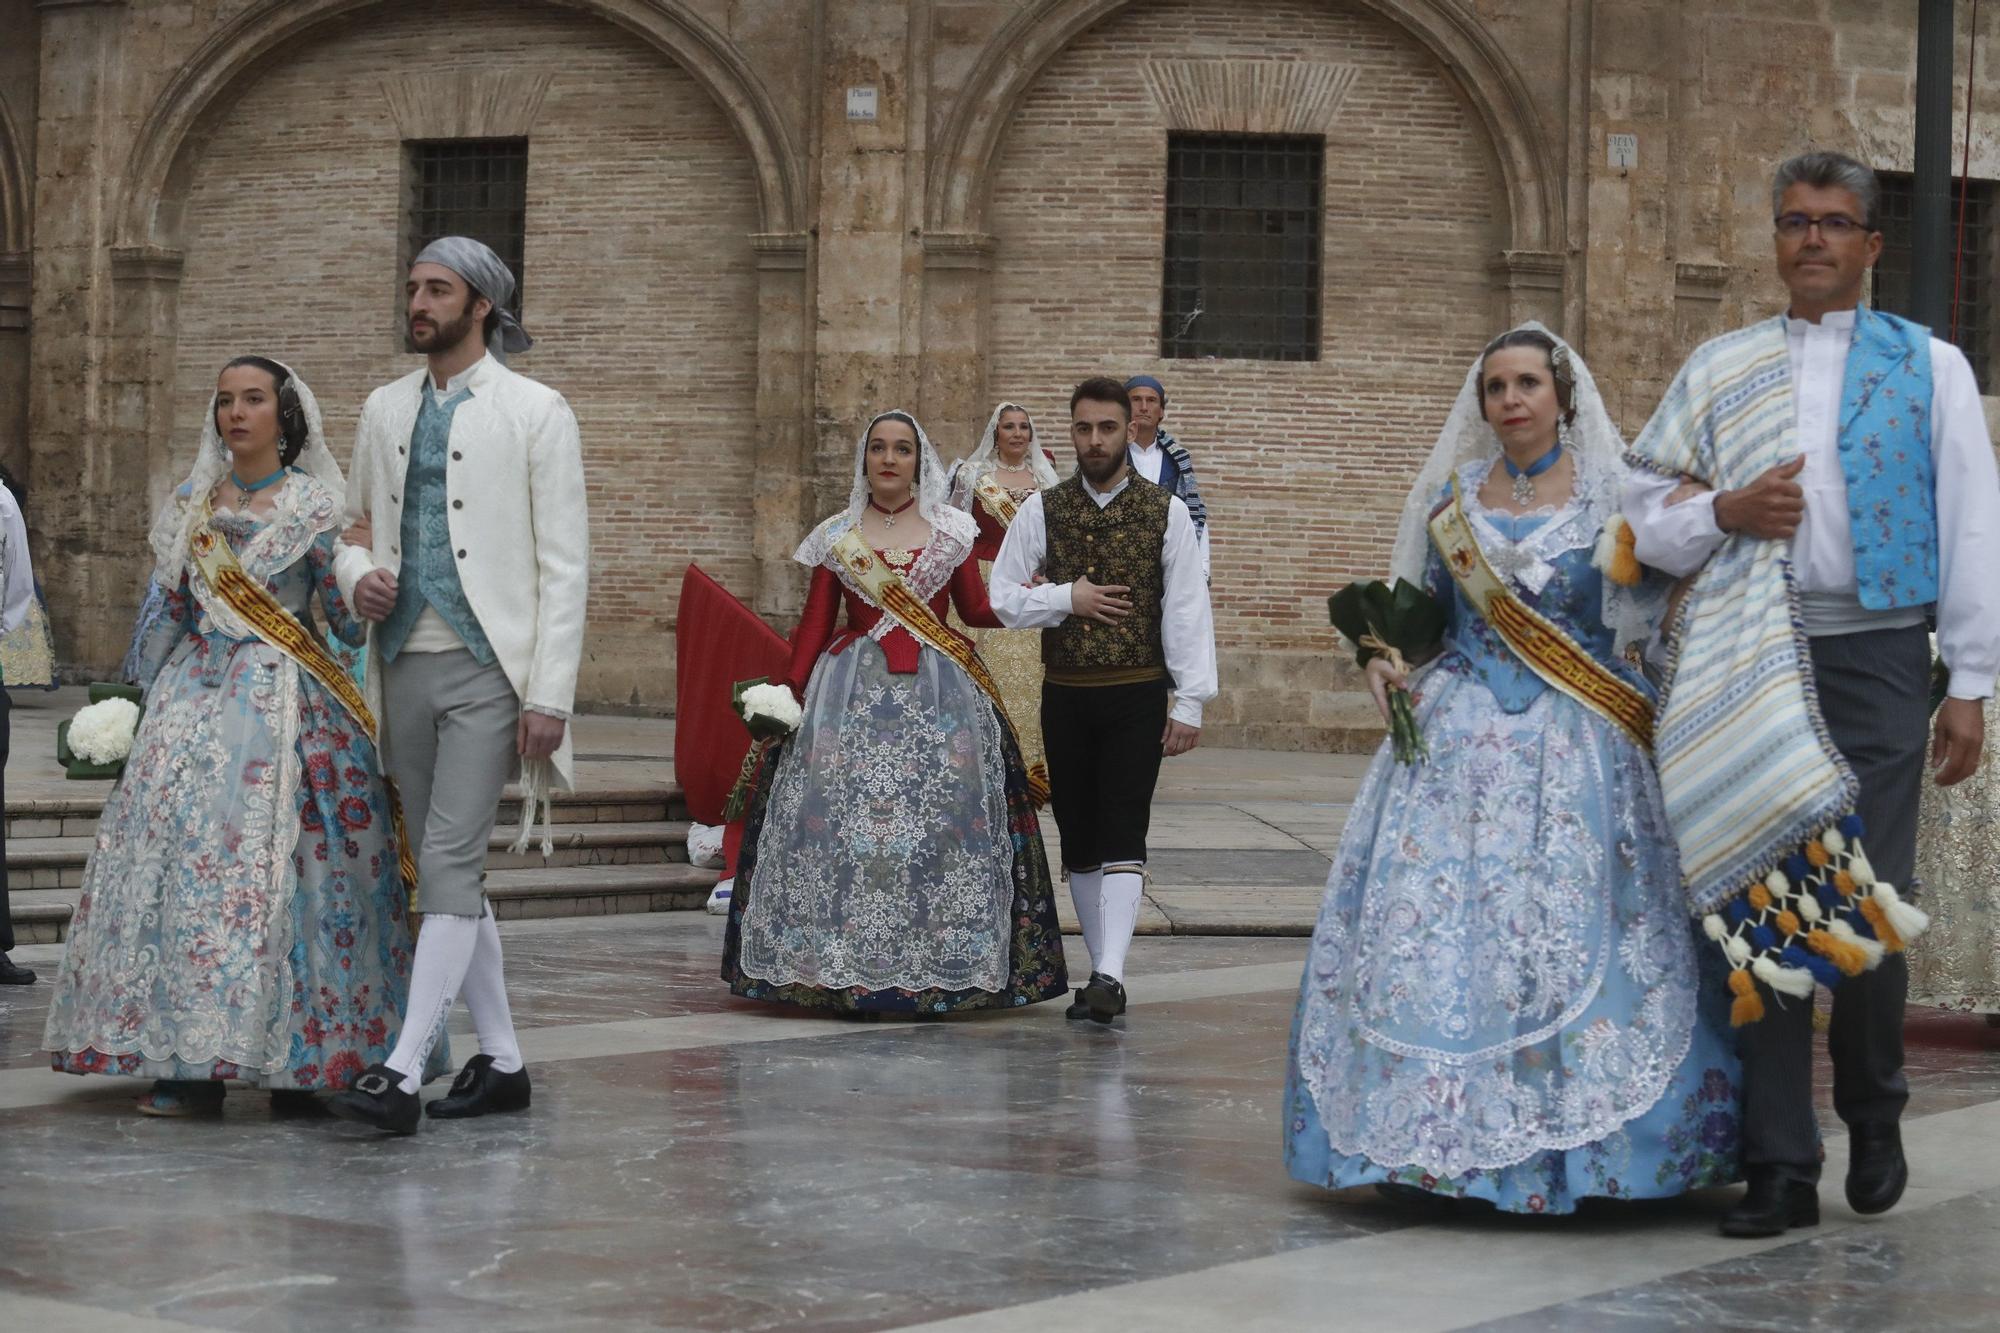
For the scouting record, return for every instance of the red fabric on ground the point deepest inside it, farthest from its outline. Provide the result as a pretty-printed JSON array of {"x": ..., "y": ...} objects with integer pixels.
[{"x": 718, "y": 641}]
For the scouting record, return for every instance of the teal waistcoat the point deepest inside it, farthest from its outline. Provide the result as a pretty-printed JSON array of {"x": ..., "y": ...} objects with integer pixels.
[
  {"x": 429, "y": 575},
  {"x": 1885, "y": 454}
]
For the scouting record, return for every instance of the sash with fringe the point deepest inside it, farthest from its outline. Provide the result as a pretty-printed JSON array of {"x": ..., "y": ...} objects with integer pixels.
[
  {"x": 998, "y": 503},
  {"x": 1759, "y": 799},
  {"x": 280, "y": 629},
  {"x": 1538, "y": 641},
  {"x": 885, "y": 587}
]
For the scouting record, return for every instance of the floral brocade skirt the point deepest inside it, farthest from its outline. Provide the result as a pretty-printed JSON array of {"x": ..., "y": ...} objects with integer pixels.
[
  {"x": 892, "y": 859},
  {"x": 243, "y": 916},
  {"x": 1014, "y": 658},
  {"x": 1504, "y": 998}
]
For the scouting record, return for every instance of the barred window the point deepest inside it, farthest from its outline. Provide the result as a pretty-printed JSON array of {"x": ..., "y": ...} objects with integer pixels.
[
  {"x": 469, "y": 187},
  {"x": 1242, "y": 271},
  {"x": 1975, "y": 286}
]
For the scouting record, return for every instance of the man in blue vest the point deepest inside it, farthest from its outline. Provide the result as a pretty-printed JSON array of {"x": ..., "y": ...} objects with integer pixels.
[
  {"x": 1159, "y": 458},
  {"x": 1877, "y": 493}
]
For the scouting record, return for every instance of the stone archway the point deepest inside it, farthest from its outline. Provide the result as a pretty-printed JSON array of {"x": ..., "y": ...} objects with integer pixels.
[{"x": 955, "y": 201}]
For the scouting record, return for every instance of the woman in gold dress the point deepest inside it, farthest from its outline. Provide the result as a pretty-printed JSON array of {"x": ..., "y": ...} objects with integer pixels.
[{"x": 1008, "y": 466}]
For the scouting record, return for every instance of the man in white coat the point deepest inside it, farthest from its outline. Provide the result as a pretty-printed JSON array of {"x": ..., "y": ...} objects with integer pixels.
[{"x": 470, "y": 552}]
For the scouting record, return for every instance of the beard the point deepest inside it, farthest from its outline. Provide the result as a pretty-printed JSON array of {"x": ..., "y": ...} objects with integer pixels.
[
  {"x": 1098, "y": 471},
  {"x": 441, "y": 337}
]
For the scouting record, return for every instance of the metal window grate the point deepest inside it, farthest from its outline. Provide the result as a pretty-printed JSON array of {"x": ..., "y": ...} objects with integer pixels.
[
  {"x": 471, "y": 187},
  {"x": 1242, "y": 270},
  {"x": 1975, "y": 293}
]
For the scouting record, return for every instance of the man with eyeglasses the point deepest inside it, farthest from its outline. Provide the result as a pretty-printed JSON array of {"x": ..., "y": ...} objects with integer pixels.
[{"x": 1849, "y": 496}]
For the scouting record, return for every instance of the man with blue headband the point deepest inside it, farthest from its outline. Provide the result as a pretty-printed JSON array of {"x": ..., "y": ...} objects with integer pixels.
[
  {"x": 476, "y": 580},
  {"x": 1159, "y": 458}
]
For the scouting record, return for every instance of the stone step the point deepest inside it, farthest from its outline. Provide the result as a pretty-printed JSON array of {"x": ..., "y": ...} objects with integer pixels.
[
  {"x": 57, "y": 863},
  {"x": 41, "y": 916},
  {"x": 73, "y": 816}
]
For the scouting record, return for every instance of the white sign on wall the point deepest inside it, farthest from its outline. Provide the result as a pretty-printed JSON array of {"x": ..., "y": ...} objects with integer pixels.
[
  {"x": 861, "y": 104},
  {"x": 1621, "y": 150}
]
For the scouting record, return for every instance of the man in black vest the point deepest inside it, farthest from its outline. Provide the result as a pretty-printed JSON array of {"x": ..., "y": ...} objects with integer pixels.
[{"x": 1108, "y": 566}]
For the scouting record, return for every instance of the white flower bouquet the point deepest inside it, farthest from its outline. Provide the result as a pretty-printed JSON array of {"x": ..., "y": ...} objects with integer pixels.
[
  {"x": 771, "y": 713},
  {"x": 96, "y": 742}
]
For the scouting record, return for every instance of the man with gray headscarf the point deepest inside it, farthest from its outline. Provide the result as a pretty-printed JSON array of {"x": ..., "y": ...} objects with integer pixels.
[{"x": 476, "y": 579}]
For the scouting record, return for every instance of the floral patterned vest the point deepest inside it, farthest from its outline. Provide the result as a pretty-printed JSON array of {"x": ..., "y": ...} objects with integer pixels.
[
  {"x": 1885, "y": 454},
  {"x": 1119, "y": 543},
  {"x": 429, "y": 575}
]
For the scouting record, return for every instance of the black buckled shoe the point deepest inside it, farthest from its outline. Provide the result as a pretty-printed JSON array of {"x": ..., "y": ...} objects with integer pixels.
[
  {"x": 1077, "y": 1008},
  {"x": 13, "y": 974},
  {"x": 1102, "y": 998},
  {"x": 377, "y": 1098},
  {"x": 1773, "y": 1205},
  {"x": 1876, "y": 1169},
  {"x": 480, "y": 1088}
]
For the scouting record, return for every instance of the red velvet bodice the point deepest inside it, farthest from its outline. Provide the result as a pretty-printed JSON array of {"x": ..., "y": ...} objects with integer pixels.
[{"x": 817, "y": 632}]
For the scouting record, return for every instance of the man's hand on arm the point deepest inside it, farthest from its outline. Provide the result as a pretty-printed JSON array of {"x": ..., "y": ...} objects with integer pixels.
[
  {"x": 1769, "y": 508},
  {"x": 1106, "y": 603},
  {"x": 375, "y": 595}
]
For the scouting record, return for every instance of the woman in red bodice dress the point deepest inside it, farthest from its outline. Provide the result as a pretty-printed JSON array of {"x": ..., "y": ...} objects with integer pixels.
[
  {"x": 1008, "y": 466},
  {"x": 893, "y": 859}
]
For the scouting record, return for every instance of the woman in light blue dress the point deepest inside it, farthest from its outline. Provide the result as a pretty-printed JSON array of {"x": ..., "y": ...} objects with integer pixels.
[
  {"x": 244, "y": 915},
  {"x": 1504, "y": 999}
]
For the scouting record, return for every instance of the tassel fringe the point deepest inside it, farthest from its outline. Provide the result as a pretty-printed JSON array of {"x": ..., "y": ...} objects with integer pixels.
[
  {"x": 537, "y": 801},
  {"x": 1818, "y": 917}
]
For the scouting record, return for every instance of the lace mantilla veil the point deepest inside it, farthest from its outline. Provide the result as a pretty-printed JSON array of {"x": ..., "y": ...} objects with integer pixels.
[
  {"x": 966, "y": 474},
  {"x": 1594, "y": 443},
  {"x": 953, "y": 525},
  {"x": 175, "y": 522}
]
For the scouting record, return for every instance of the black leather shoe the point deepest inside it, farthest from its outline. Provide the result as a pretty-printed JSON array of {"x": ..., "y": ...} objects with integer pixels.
[
  {"x": 377, "y": 1098},
  {"x": 1103, "y": 999},
  {"x": 1077, "y": 1008},
  {"x": 480, "y": 1088},
  {"x": 1773, "y": 1205},
  {"x": 1876, "y": 1171},
  {"x": 12, "y": 974}
]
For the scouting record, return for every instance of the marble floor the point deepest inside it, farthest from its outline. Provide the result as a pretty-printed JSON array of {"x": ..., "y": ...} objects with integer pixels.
[{"x": 693, "y": 1162}]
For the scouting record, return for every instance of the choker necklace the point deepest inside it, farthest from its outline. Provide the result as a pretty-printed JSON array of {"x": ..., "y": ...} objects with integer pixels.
[
  {"x": 889, "y": 515},
  {"x": 1524, "y": 477},
  {"x": 246, "y": 489}
]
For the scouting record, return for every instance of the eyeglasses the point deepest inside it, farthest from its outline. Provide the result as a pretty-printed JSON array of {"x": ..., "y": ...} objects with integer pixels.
[{"x": 1832, "y": 227}]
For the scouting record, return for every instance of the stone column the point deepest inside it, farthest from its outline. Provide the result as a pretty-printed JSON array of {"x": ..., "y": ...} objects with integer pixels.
[
  {"x": 14, "y": 321},
  {"x": 1531, "y": 282},
  {"x": 782, "y": 497},
  {"x": 90, "y": 487},
  {"x": 958, "y": 302}
]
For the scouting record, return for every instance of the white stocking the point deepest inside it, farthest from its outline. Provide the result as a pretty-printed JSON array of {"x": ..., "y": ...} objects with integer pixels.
[
  {"x": 1122, "y": 891},
  {"x": 486, "y": 997},
  {"x": 445, "y": 946},
  {"x": 1086, "y": 891}
]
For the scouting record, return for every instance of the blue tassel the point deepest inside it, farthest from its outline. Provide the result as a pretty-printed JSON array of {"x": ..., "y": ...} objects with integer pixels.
[
  {"x": 1764, "y": 938},
  {"x": 1738, "y": 911},
  {"x": 1860, "y": 924},
  {"x": 1793, "y": 956},
  {"x": 1797, "y": 868},
  {"x": 1824, "y": 972},
  {"x": 1850, "y": 826},
  {"x": 1829, "y": 897}
]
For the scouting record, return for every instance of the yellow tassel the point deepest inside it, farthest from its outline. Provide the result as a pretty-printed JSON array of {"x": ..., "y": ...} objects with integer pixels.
[
  {"x": 1625, "y": 570},
  {"x": 1845, "y": 883},
  {"x": 1788, "y": 923},
  {"x": 1886, "y": 933},
  {"x": 1850, "y": 960},
  {"x": 1816, "y": 854},
  {"x": 1760, "y": 898},
  {"x": 1748, "y": 1006}
]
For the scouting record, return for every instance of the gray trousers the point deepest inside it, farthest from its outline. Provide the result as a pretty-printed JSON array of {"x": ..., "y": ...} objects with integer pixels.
[
  {"x": 1874, "y": 693},
  {"x": 450, "y": 745}
]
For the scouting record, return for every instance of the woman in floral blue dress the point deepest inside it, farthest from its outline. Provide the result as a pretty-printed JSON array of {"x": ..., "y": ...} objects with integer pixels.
[
  {"x": 1504, "y": 999},
  {"x": 244, "y": 915}
]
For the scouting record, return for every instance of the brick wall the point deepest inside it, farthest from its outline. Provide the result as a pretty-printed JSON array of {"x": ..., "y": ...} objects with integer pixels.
[
  {"x": 1305, "y": 465},
  {"x": 640, "y": 283}
]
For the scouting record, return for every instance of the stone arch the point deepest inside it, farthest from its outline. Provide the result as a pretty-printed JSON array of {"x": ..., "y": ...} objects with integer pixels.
[
  {"x": 157, "y": 173},
  {"x": 955, "y": 196}
]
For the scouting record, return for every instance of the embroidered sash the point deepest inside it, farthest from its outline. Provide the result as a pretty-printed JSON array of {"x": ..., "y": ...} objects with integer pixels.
[
  {"x": 1548, "y": 651},
  {"x": 998, "y": 503},
  {"x": 280, "y": 629},
  {"x": 885, "y": 587}
]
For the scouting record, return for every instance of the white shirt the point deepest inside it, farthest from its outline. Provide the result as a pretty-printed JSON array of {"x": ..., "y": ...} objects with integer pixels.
[
  {"x": 1679, "y": 539},
  {"x": 17, "y": 574},
  {"x": 1187, "y": 626}
]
